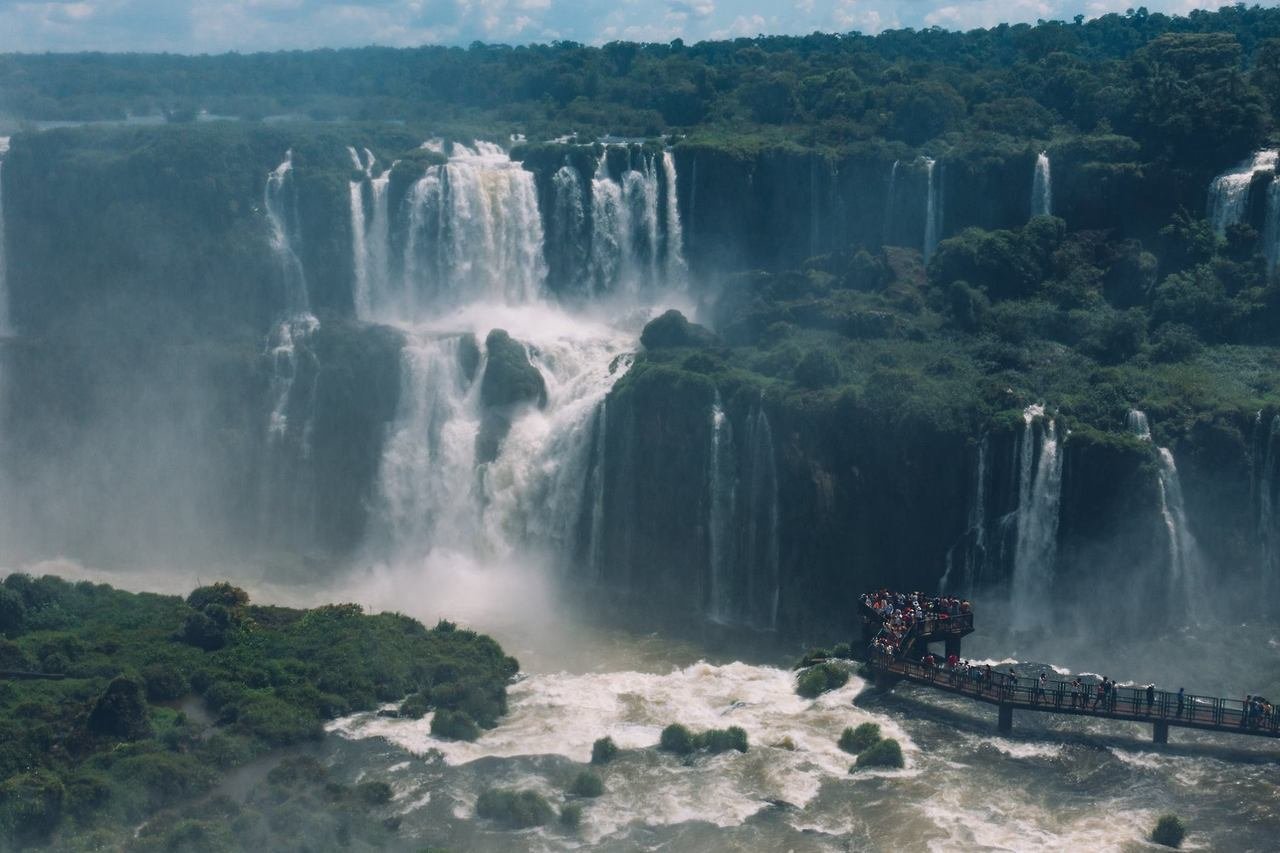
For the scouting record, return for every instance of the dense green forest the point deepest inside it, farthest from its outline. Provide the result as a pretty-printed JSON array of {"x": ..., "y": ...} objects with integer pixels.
[{"x": 161, "y": 698}]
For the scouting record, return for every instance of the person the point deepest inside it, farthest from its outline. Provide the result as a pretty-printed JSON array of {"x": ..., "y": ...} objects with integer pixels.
[
  {"x": 1151, "y": 696},
  {"x": 1244, "y": 712},
  {"x": 1101, "y": 692},
  {"x": 1075, "y": 691},
  {"x": 1044, "y": 681},
  {"x": 1181, "y": 699}
]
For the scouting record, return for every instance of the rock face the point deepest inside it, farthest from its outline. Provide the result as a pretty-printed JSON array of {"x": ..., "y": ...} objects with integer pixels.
[
  {"x": 673, "y": 330},
  {"x": 121, "y": 711},
  {"x": 510, "y": 381}
]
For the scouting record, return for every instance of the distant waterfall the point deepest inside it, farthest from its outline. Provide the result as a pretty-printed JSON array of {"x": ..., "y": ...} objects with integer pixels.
[
  {"x": 1268, "y": 489},
  {"x": 888, "y": 204},
  {"x": 596, "y": 488},
  {"x": 1229, "y": 192},
  {"x": 1040, "y": 489},
  {"x": 569, "y": 243},
  {"x": 721, "y": 499},
  {"x": 932, "y": 209},
  {"x": 1271, "y": 226},
  {"x": 973, "y": 544},
  {"x": 1042, "y": 187},
  {"x": 761, "y": 551},
  {"x": 1185, "y": 579},
  {"x": 673, "y": 245},
  {"x": 370, "y": 235},
  {"x": 4, "y": 280}
]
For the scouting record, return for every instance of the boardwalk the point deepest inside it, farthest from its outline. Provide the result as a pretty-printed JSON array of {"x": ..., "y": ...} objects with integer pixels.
[
  {"x": 1126, "y": 703},
  {"x": 909, "y": 660}
]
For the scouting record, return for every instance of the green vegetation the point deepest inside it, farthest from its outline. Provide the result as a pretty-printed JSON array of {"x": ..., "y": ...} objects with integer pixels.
[
  {"x": 513, "y": 809},
  {"x": 679, "y": 740},
  {"x": 603, "y": 750},
  {"x": 818, "y": 679},
  {"x": 1169, "y": 831},
  {"x": 856, "y": 741},
  {"x": 882, "y": 753},
  {"x": 571, "y": 817},
  {"x": 111, "y": 748},
  {"x": 586, "y": 784}
]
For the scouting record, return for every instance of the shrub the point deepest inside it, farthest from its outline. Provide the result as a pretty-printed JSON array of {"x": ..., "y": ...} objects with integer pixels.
[
  {"x": 818, "y": 369},
  {"x": 201, "y": 631},
  {"x": 586, "y": 784},
  {"x": 842, "y": 650},
  {"x": 514, "y": 809},
  {"x": 571, "y": 816},
  {"x": 883, "y": 753},
  {"x": 13, "y": 612},
  {"x": 676, "y": 738},
  {"x": 857, "y": 740},
  {"x": 603, "y": 751},
  {"x": 1169, "y": 831},
  {"x": 121, "y": 711},
  {"x": 717, "y": 741},
  {"x": 819, "y": 679},
  {"x": 163, "y": 682},
  {"x": 416, "y": 706},
  {"x": 31, "y": 805},
  {"x": 454, "y": 725},
  {"x": 222, "y": 593}
]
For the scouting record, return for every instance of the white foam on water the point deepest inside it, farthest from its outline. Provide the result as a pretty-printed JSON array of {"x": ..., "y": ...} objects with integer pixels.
[{"x": 563, "y": 714}]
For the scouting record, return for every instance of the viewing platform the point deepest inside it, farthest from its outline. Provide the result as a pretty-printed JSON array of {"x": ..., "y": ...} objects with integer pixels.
[{"x": 897, "y": 649}]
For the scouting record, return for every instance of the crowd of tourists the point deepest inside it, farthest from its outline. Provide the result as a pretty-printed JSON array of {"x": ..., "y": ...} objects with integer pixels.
[{"x": 899, "y": 612}]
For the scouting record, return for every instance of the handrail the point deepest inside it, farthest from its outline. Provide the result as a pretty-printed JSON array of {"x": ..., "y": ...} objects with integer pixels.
[{"x": 1058, "y": 695}]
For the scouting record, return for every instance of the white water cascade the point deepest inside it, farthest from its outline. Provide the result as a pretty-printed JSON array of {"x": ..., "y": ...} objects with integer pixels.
[
  {"x": 1229, "y": 192},
  {"x": 888, "y": 204},
  {"x": 1185, "y": 581},
  {"x": 761, "y": 552},
  {"x": 4, "y": 282},
  {"x": 932, "y": 208},
  {"x": 1268, "y": 481},
  {"x": 1271, "y": 226},
  {"x": 298, "y": 323},
  {"x": 568, "y": 228},
  {"x": 673, "y": 246},
  {"x": 974, "y": 542},
  {"x": 721, "y": 484},
  {"x": 1042, "y": 187},
  {"x": 370, "y": 234},
  {"x": 1039, "y": 494}
]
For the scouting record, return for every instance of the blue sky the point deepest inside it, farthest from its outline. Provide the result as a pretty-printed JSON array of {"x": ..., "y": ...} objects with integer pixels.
[{"x": 198, "y": 26}]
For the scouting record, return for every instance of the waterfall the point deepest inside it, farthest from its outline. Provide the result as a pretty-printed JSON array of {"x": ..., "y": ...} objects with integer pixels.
[
  {"x": 1042, "y": 187},
  {"x": 569, "y": 227},
  {"x": 280, "y": 214},
  {"x": 932, "y": 209},
  {"x": 762, "y": 549},
  {"x": 1040, "y": 487},
  {"x": 1268, "y": 481},
  {"x": 974, "y": 540},
  {"x": 370, "y": 235},
  {"x": 599, "y": 460},
  {"x": 677, "y": 269},
  {"x": 720, "y": 503},
  {"x": 1229, "y": 192},
  {"x": 4, "y": 280},
  {"x": 1185, "y": 578},
  {"x": 1271, "y": 226},
  {"x": 888, "y": 204}
]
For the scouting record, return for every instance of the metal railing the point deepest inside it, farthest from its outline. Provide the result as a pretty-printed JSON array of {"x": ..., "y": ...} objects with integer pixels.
[{"x": 1130, "y": 703}]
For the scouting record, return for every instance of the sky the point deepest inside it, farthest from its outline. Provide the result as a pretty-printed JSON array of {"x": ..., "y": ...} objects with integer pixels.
[{"x": 214, "y": 26}]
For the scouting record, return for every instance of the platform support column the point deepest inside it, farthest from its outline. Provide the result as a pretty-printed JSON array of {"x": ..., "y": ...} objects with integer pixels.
[
  {"x": 953, "y": 646},
  {"x": 1159, "y": 732},
  {"x": 1005, "y": 725}
]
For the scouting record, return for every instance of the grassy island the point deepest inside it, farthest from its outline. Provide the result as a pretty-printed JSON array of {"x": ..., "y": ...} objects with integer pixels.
[{"x": 160, "y": 697}]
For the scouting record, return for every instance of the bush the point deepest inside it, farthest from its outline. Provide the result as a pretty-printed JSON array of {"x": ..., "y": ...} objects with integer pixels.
[
  {"x": 717, "y": 741},
  {"x": 454, "y": 725},
  {"x": 818, "y": 369},
  {"x": 676, "y": 738},
  {"x": 586, "y": 784},
  {"x": 843, "y": 651},
  {"x": 223, "y": 594},
  {"x": 13, "y": 612},
  {"x": 30, "y": 805},
  {"x": 416, "y": 706},
  {"x": 856, "y": 740},
  {"x": 164, "y": 682},
  {"x": 514, "y": 809},
  {"x": 121, "y": 711},
  {"x": 817, "y": 680},
  {"x": 571, "y": 816},
  {"x": 1169, "y": 831},
  {"x": 201, "y": 631},
  {"x": 883, "y": 753},
  {"x": 603, "y": 751}
]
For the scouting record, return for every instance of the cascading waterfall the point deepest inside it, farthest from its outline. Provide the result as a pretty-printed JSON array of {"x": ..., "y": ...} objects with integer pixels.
[
  {"x": 1271, "y": 226},
  {"x": 974, "y": 541},
  {"x": 1042, "y": 187},
  {"x": 569, "y": 236},
  {"x": 597, "y": 485},
  {"x": 4, "y": 282},
  {"x": 676, "y": 268},
  {"x": 1039, "y": 494},
  {"x": 888, "y": 204},
  {"x": 1268, "y": 482},
  {"x": 932, "y": 209},
  {"x": 370, "y": 234},
  {"x": 761, "y": 553},
  {"x": 721, "y": 485},
  {"x": 1229, "y": 192},
  {"x": 1185, "y": 580},
  {"x": 298, "y": 323}
]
